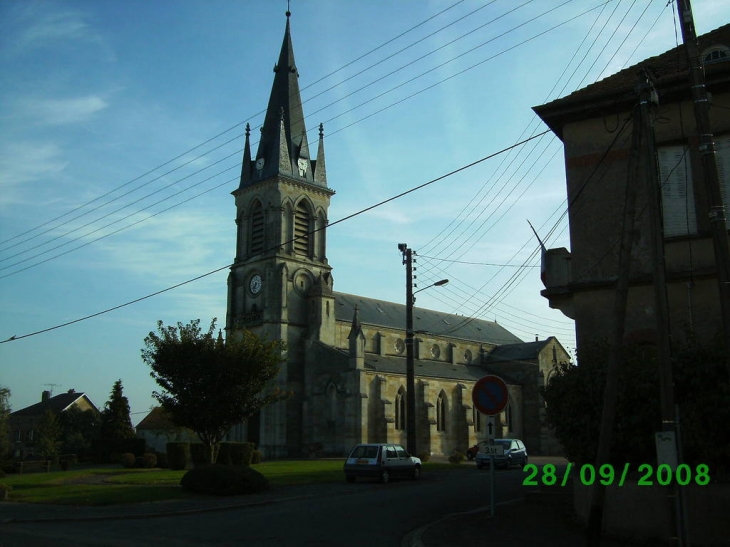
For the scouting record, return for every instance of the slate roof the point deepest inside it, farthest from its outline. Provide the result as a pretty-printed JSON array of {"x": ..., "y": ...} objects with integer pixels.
[
  {"x": 388, "y": 314},
  {"x": 516, "y": 352},
  {"x": 668, "y": 68},
  {"x": 57, "y": 404}
]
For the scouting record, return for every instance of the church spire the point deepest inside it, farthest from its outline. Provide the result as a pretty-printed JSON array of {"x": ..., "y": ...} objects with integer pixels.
[{"x": 283, "y": 148}]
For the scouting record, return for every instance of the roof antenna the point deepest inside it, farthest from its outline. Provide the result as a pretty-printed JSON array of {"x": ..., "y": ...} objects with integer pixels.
[{"x": 288, "y": 12}]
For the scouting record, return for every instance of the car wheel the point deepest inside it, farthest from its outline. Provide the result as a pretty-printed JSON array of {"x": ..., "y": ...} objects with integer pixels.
[
  {"x": 384, "y": 476},
  {"x": 350, "y": 478},
  {"x": 479, "y": 466},
  {"x": 509, "y": 462},
  {"x": 524, "y": 463},
  {"x": 416, "y": 473}
]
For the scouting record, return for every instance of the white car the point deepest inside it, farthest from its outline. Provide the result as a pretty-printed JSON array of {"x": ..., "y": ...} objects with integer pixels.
[{"x": 381, "y": 460}]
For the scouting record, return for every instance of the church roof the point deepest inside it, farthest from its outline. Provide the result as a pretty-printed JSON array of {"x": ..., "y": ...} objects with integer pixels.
[
  {"x": 517, "y": 352},
  {"x": 388, "y": 314},
  {"x": 424, "y": 368}
]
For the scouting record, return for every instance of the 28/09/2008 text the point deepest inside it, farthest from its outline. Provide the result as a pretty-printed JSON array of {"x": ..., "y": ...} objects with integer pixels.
[{"x": 588, "y": 474}]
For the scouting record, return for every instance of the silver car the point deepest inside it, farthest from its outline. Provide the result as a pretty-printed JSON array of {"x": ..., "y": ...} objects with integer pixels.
[
  {"x": 381, "y": 460},
  {"x": 514, "y": 453}
]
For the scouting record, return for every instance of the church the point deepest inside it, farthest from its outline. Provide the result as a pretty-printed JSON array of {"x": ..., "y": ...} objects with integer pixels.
[{"x": 346, "y": 362}]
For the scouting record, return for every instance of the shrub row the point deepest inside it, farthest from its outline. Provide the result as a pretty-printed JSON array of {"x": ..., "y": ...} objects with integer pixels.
[
  {"x": 224, "y": 480},
  {"x": 231, "y": 454}
]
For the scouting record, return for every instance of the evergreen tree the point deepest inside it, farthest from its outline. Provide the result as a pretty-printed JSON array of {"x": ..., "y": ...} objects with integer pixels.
[{"x": 115, "y": 420}]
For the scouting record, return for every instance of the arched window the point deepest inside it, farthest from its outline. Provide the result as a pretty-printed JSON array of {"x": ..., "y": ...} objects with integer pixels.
[
  {"x": 302, "y": 229},
  {"x": 400, "y": 409},
  {"x": 509, "y": 417},
  {"x": 441, "y": 412},
  {"x": 257, "y": 228},
  {"x": 477, "y": 416}
]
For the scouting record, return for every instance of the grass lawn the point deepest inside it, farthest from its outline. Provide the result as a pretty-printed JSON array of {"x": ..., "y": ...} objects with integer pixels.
[{"x": 113, "y": 485}]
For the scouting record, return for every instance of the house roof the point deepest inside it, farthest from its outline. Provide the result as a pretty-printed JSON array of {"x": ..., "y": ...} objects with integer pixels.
[
  {"x": 423, "y": 367},
  {"x": 668, "y": 70},
  {"x": 388, "y": 314},
  {"x": 156, "y": 419},
  {"x": 57, "y": 404}
]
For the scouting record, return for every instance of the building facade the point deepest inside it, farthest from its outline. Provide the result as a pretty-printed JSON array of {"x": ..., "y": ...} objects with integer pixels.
[
  {"x": 601, "y": 159},
  {"x": 345, "y": 362}
]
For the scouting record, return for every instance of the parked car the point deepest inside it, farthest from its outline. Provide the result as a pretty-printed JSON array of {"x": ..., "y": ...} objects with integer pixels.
[
  {"x": 472, "y": 452},
  {"x": 383, "y": 461},
  {"x": 514, "y": 453}
]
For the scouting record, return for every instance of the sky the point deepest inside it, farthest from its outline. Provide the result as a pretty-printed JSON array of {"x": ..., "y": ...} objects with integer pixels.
[{"x": 121, "y": 130}]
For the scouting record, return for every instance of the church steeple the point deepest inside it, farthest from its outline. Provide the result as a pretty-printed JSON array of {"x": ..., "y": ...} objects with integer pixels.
[{"x": 283, "y": 148}]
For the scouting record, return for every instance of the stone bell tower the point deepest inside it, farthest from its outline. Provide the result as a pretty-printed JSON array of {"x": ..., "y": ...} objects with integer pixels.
[{"x": 275, "y": 286}]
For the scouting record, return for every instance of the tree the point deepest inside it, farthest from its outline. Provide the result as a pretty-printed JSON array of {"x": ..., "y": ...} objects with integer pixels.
[
  {"x": 4, "y": 426},
  {"x": 78, "y": 429},
  {"x": 209, "y": 385},
  {"x": 48, "y": 440},
  {"x": 115, "y": 420}
]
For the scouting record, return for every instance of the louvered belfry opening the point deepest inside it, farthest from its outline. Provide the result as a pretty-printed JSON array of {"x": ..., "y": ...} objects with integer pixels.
[
  {"x": 257, "y": 229},
  {"x": 301, "y": 229}
]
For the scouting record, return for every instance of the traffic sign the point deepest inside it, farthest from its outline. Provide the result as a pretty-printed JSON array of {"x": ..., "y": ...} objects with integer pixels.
[
  {"x": 490, "y": 395},
  {"x": 493, "y": 450}
]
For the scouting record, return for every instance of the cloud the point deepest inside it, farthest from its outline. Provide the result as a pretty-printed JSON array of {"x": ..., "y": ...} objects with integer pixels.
[
  {"x": 60, "y": 111},
  {"x": 23, "y": 162}
]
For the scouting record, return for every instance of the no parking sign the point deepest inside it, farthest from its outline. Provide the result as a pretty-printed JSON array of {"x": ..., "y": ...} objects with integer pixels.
[{"x": 490, "y": 395}]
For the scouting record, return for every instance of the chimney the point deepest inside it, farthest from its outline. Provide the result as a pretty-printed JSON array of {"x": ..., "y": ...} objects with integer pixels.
[
  {"x": 46, "y": 395},
  {"x": 72, "y": 390}
]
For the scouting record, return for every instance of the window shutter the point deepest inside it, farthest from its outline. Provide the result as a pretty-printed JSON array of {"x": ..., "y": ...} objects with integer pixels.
[{"x": 678, "y": 203}]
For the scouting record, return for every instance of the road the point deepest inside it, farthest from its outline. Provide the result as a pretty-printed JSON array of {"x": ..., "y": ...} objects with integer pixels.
[{"x": 361, "y": 514}]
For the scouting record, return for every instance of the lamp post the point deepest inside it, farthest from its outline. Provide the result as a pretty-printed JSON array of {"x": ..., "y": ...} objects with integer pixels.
[{"x": 410, "y": 366}]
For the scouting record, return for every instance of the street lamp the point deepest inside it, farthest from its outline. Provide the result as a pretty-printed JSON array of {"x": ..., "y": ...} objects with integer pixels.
[{"x": 410, "y": 366}]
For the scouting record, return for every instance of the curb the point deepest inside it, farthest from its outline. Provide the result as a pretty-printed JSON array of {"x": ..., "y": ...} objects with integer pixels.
[{"x": 415, "y": 537}]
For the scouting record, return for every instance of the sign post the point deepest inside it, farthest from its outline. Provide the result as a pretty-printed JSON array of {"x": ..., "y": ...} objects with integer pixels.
[{"x": 490, "y": 396}]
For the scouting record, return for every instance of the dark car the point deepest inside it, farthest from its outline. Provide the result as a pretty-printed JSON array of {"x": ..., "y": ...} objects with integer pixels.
[
  {"x": 471, "y": 453},
  {"x": 382, "y": 461},
  {"x": 515, "y": 453}
]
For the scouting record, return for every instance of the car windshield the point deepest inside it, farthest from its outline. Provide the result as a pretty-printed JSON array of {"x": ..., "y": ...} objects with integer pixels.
[{"x": 365, "y": 452}]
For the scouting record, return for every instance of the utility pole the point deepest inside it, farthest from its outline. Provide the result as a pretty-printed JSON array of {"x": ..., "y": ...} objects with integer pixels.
[
  {"x": 661, "y": 314},
  {"x": 718, "y": 225},
  {"x": 410, "y": 366},
  {"x": 615, "y": 357}
]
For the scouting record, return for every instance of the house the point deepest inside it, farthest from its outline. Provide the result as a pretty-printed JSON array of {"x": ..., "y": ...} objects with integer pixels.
[
  {"x": 595, "y": 126},
  {"x": 157, "y": 429},
  {"x": 346, "y": 360},
  {"x": 23, "y": 423}
]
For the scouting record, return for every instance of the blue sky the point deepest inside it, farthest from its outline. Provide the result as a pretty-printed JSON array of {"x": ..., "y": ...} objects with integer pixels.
[{"x": 102, "y": 102}]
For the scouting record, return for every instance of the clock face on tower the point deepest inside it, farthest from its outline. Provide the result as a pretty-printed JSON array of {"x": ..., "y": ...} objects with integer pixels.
[{"x": 255, "y": 284}]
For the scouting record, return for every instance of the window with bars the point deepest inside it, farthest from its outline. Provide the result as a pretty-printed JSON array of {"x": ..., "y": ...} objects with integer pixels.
[
  {"x": 302, "y": 229},
  {"x": 257, "y": 229}
]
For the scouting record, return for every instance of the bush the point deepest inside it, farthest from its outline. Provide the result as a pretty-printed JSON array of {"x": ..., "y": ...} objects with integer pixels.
[
  {"x": 224, "y": 480},
  {"x": 257, "y": 456},
  {"x": 235, "y": 453},
  {"x": 456, "y": 457},
  {"x": 149, "y": 460},
  {"x": 128, "y": 460},
  {"x": 103, "y": 450},
  {"x": 197, "y": 454},
  {"x": 424, "y": 456},
  {"x": 162, "y": 461},
  {"x": 178, "y": 455}
]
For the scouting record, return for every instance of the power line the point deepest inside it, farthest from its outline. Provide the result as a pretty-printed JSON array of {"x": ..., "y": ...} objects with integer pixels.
[{"x": 348, "y": 217}]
